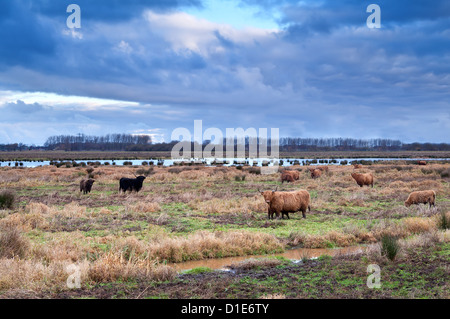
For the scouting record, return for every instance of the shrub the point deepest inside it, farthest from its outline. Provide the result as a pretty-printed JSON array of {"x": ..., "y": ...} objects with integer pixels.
[
  {"x": 7, "y": 199},
  {"x": 389, "y": 246}
]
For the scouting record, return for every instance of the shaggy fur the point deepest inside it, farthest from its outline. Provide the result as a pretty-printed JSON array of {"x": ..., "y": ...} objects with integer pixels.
[
  {"x": 287, "y": 202},
  {"x": 316, "y": 173},
  {"x": 321, "y": 168},
  {"x": 86, "y": 185},
  {"x": 290, "y": 176},
  {"x": 363, "y": 179},
  {"x": 131, "y": 184},
  {"x": 421, "y": 197}
]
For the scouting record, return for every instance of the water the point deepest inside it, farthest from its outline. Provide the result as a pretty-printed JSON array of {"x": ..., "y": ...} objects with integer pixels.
[
  {"x": 226, "y": 162},
  {"x": 295, "y": 255}
]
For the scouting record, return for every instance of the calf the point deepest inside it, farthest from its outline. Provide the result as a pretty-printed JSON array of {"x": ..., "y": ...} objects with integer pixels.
[{"x": 86, "y": 185}]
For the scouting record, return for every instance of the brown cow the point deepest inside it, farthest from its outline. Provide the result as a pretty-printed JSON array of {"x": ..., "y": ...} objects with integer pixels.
[
  {"x": 290, "y": 176},
  {"x": 321, "y": 168},
  {"x": 316, "y": 173},
  {"x": 363, "y": 179},
  {"x": 287, "y": 202},
  {"x": 422, "y": 163},
  {"x": 421, "y": 197}
]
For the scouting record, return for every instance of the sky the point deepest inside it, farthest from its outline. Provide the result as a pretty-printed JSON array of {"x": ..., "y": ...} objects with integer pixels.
[{"x": 309, "y": 68}]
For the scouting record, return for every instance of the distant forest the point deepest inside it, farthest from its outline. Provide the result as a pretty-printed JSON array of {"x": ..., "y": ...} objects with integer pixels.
[{"x": 129, "y": 142}]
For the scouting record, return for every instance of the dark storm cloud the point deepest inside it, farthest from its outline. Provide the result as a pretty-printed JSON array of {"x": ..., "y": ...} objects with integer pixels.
[{"x": 108, "y": 10}]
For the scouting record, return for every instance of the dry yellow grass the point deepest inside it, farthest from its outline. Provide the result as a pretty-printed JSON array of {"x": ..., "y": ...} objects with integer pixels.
[
  {"x": 111, "y": 267},
  {"x": 417, "y": 225},
  {"x": 204, "y": 244},
  {"x": 227, "y": 206}
]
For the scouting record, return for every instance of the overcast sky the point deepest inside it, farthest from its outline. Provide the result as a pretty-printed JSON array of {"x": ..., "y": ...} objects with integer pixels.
[{"x": 310, "y": 68}]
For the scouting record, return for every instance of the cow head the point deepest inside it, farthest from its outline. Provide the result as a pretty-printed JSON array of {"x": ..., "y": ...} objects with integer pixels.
[{"x": 268, "y": 195}]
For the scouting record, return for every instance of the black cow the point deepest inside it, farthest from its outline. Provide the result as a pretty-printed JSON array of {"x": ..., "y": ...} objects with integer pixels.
[
  {"x": 131, "y": 184},
  {"x": 86, "y": 185}
]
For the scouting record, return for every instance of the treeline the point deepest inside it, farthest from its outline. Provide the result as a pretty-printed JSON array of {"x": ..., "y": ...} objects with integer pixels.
[
  {"x": 109, "y": 142},
  {"x": 137, "y": 143},
  {"x": 338, "y": 144},
  {"x": 16, "y": 147}
]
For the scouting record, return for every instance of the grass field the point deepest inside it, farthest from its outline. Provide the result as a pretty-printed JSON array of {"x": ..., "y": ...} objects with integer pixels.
[{"x": 121, "y": 243}]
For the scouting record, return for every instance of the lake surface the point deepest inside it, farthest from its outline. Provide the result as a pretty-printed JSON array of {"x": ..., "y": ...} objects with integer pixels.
[{"x": 227, "y": 161}]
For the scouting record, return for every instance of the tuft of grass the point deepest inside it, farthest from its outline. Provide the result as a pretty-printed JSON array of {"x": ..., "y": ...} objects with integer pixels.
[
  {"x": 7, "y": 199},
  {"x": 198, "y": 270},
  {"x": 389, "y": 246},
  {"x": 12, "y": 243},
  {"x": 253, "y": 263},
  {"x": 444, "y": 221}
]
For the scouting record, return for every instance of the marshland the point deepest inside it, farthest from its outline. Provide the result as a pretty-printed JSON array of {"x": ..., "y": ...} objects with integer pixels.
[{"x": 128, "y": 245}]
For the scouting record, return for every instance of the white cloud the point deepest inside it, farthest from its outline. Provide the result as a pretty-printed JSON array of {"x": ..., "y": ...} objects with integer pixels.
[{"x": 186, "y": 32}]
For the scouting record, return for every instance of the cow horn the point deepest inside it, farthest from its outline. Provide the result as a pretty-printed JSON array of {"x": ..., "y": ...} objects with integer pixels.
[{"x": 276, "y": 188}]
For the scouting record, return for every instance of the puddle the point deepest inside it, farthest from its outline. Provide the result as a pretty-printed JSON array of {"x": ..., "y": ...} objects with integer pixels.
[{"x": 295, "y": 254}]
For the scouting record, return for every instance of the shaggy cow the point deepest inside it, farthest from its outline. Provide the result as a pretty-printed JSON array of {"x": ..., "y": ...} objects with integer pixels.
[
  {"x": 131, "y": 184},
  {"x": 422, "y": 162},
  {"x": 363, "y": 179},
  {"x": 287, "y": 202},
  {"x": 316, "y": 173},
  {"x": 86, "y": 185},
  {"x": 289, "y": 176},
  {"x": 421, "y": 197},
  {"x": 321, "y": 168}
]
